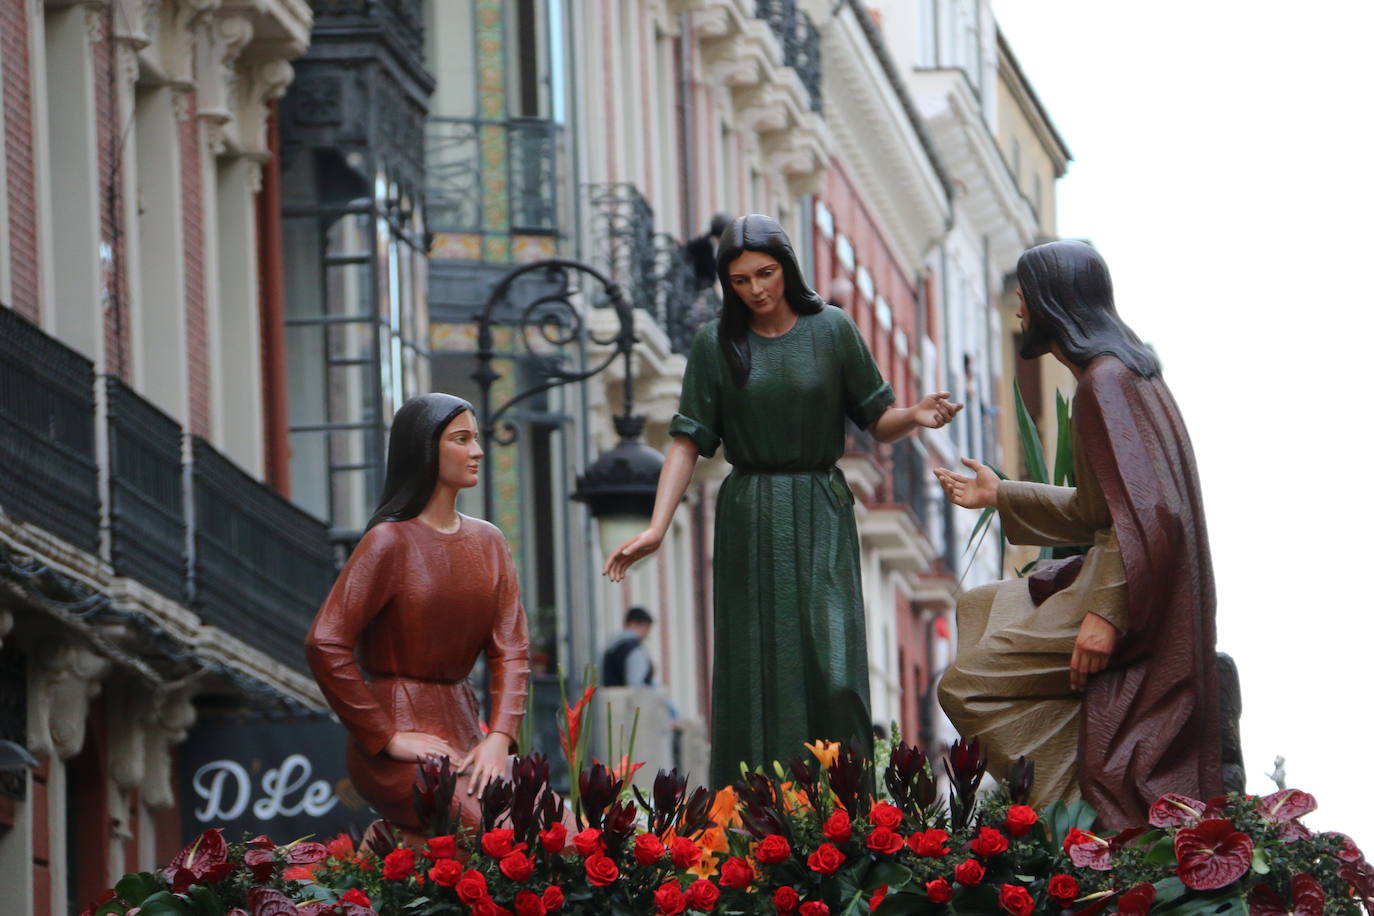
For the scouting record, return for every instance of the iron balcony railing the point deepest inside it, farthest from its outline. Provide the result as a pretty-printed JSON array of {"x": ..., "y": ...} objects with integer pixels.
[
  {"x": 261, "y": 566},
  {"x": 801, "y": 43},
  {"x": 909, "y": 480},
  {"x": 48, "y": 472},
  {"x": 147, "y": 483},
  {"x": 486, "y": 176}
]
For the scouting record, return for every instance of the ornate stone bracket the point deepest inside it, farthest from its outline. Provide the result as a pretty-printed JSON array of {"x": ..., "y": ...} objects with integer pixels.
[{"x": 65, "y": 678}]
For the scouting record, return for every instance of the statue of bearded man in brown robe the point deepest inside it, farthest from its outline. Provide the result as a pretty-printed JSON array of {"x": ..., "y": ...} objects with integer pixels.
[{"x": 1101, "y": 669}]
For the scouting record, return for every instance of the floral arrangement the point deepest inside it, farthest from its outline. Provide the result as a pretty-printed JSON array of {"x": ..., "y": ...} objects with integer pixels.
[{"x": 825, "y": 835}]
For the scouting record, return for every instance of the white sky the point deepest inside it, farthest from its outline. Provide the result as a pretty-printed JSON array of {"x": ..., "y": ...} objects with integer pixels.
[{"x": 1223, "y": 168}]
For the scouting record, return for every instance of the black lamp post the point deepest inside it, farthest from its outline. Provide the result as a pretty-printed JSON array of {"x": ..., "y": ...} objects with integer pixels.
[{"x": 619, "y": 486}]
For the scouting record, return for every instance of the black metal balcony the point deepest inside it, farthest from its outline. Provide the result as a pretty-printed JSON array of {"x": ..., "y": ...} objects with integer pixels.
[
  {"x": 909, "y": 480},
  {"x": 460, "y": 193},
  {"x": 262, "y": 566},
  {"x": 147, "y": 503},
  {"x": 48, "y": 470},
  {"x": 801, "y": 43}
]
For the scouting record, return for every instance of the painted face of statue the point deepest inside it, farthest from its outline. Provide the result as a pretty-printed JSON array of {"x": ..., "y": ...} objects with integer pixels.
[
  {"x": 758, "y": 280},
  {"x": 460, "y": 454}
]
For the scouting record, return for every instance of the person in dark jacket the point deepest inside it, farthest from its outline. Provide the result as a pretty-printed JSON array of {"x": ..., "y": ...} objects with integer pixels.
[{"x": 626, "y": 662}]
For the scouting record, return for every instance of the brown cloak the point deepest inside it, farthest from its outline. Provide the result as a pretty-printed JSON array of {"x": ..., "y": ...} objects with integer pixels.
[{"x": 1150, "y": 721}]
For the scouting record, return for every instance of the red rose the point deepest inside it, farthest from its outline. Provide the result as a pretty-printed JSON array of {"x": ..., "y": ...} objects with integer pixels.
[
  {"x": 529, "y": 904},
  {"x": 472, "y": 887},
  {"x": 1136, "y": 901},
  {"x": 989, "y": 842},
  {"x": 670, "y": 899},
  {"x": 554, "y": 839},
  {"x": 341, "y": 847},
  {"x": 939, "y": 891},
  {"x": 684, "y": 852},
  {"x": 354, "y": 895},
  {"x": 885, "y": 815},
  {"x": 648, "y": 849},
  {"x": 1015, "y": 900},
  {"x": 588, "y": 843},
  {"x": 968, "y": 872},
  {"x": 601, "y": 870},
  {"x": 838, "y": 828},
  {"x": 814, "y": 908},
  {"x": 773, "y": 849},
  {"x": 517, "y": 866},
  {"x": 1020, "y": 819},
  {"x": 498, "y": 843},
  {"x": 884, "y": 841},
  {"x": 878, "y": 897},
  {"x": 929, "y": 843},
  {"x": 702, "y": 895},
  {"x": 785, "y": 899},
  {"x": 1063, "y": 888},
  {"x": 488, "y": 907},
  {"x": 553, "y": 897},
  {"x": 398, "y": 864},
  {"x": 826, "y": 860},
  {"x": 736, "y": 873},
  {"x": 441, "y": 847},
  {"x": 446, "y": 873}
]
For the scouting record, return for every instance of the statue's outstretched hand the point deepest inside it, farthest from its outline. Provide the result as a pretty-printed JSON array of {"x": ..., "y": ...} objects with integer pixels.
[
  {"x": 1091, "y": 650},
  {"x": 977, "y": 492},
  {"x": 417, "y": 747},
  {"x": 630, "y": 553},
  {"x": 935, "y": 410},
  {"x": 485, "y": 762}
]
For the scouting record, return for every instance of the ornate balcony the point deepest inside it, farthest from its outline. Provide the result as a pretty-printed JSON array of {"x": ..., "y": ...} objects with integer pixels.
[
  {"x": 493, "y": 175},
  {"x": 801, "y": 43}
]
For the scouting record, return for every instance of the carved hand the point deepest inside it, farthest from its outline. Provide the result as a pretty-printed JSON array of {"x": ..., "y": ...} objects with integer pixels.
[
  {"x": 416, "y": 747},
  {"x": 935, "y": 410},
  {"x": 1091, "y": 650},
  {"x": 630, "y": 553},
  {"x": 977, "y": 492},
  {"x": 485, "y": 762}
]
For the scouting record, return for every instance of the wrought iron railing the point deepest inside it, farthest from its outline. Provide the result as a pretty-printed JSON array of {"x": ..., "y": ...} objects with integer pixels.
[
  {"x": 147, "y": 505},
  {"x": 517, "y": 193},
  {"x": 909, "y": 480},
  {"x": 801, "y": 43},
  {"x": 48, "y": 472},
  {"x": 402, "y": 19},
  {"x": 261, "y": 566},
  {"x": 859, "y": 441}
]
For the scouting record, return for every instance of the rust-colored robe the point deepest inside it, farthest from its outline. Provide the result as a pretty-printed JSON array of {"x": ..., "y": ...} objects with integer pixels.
[{"x": 418, "y": 606}]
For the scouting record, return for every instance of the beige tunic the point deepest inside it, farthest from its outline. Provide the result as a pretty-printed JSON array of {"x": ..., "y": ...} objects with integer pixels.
[{"x": 1009, "y": 682}]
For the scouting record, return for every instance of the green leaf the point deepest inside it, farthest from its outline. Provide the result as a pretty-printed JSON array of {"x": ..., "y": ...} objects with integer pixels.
[
  {"x": 1162, "y": 853},
  {"x": 983, "y": 518},
  {"x": 1030, "y": 439},
  {"x": 1168, "y": 890},
  {"x": 902, "y": 905},
  {"x": 165, "y": 903},
  {"x": 1082, "y": 815},
  {"x": 1259, "y": 862},
  {"x": 1229, "y": 903},
  {"x": 133, "y": 889},
  {"x": 205, "y": 902},
  {"x": 1063, "y": 453},
  {"x": 889, "y": 873}
]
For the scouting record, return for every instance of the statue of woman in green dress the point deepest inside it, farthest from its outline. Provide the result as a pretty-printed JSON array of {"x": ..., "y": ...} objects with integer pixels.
[{"x": 773, "y": 379}]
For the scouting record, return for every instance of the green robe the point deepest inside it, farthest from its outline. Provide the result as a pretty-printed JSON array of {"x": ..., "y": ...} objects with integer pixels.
[{"x": 791, "y": 662}]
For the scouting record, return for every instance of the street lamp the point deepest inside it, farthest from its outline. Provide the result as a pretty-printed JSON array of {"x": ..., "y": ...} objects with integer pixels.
[{"x": 619, "y": 486}]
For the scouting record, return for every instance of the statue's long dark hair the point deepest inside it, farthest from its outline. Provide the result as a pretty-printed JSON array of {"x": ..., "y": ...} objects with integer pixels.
[
  {"x": 1069, "y": 297},
  {"x": 764, "y": 234},
  {"x": 412, "y": 456}
]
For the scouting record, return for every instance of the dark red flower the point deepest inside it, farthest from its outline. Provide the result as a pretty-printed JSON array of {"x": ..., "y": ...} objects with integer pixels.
[
  {"x": 929, "y": 843},
  {"x": 736, "y": 873},
  {"x": 205, "y": 854},
  {"x": 814, "y": 908},
  {"x": 554, "y": 839},
  {"x": 826, "y": 860},
  {"x": 488, "y": 907},
  {"x": 1285, "y": 805},
  {"x": 589, "y": 843},
  {"x": 1087, "y": 850},
  {"x": 1136, "y": 901},
  {"x": 498, "y": 843},
  {"x": 885, "y": 815},
  {"x": 471, "y": 887},
  {"x": 1020, "y": 819},
  {"x": 838, "y": 828},
  {"x": 266, "y": 901},
  {"x": 1174, "y": 810},
  {"x": 356, "y": 896},
  {"x": 684, "y": 852},
  {"x": 702, "y": 895},
  {"x": 884, "y": 841},
  {"x": 1063, "y": 888},
  {"x": 262, "y": 863},
  {"x": 988, "y": 843},
  {"x": 447, "y": 873},
  {"x": 528, "y": 903},
  {"x": 441, "y": 847},
  {"x": 1015, "y": 900},
  {"x": 648, "y": 849},
  {"x": 968, "y": 872},
  {"x": 1308, "y": 899},
  {"x": 670, "y": 899},
  {"x": 398, "y": 864},
  {"x": 1348, "y": 852},
  {"x": 305, "y": 853},
  {"x": 878, "y": 897},
  {"x": 341, "y": 847},
  {"x": 517, "y": 866},
  {"x": 1211, "y": 855},
  {"x": 773, "y": 849},
  {"x": 785, "y": 899},
  {"x": 553, "y": 897},
  {"x": 601, "y": 870},
  {"x": 939, "y": 891}
]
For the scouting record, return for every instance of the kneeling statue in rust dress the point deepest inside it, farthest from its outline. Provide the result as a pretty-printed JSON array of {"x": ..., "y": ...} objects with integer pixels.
[
  {"x": 1101, "y": 668},
  {"x": 424, "y": 593}
]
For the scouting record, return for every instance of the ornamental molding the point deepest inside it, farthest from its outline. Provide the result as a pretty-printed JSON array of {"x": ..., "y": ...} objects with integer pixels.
[{"x": 64, "y": 677}]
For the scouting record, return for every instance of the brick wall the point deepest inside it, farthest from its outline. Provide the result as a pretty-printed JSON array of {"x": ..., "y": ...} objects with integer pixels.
[
  {"x": 109, "y": 132},
  {"x": 19, "y": 159},
  {"x": 192, "y": 223}
]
